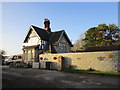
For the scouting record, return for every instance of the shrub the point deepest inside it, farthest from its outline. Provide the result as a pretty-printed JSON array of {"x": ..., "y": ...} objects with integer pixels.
[
  {"x": 20, "y": 65},
  {"x": 91, "y": 69},
  {"x": 70, "y": 66}
]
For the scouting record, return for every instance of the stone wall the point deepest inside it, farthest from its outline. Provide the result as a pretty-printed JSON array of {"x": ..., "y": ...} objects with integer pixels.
[{"x": 102, "y": 61}]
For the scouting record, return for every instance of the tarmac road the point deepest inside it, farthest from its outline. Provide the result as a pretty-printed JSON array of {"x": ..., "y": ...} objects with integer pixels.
[{"x": 37, "y": 78}]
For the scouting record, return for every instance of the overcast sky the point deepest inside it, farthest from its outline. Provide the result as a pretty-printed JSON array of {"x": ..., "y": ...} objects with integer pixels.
[{"x": 73, "y": 17}]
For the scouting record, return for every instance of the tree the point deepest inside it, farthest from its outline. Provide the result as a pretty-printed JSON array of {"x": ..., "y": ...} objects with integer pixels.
[
  {"x": 102, "y": 35},
  {"x": 2, "y": 52},
  {"x": 79, "y": 43}
]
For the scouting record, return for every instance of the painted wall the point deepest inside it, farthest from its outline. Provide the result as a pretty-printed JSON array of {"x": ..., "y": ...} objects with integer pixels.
[
  {"x": 29, "y": 55},
  {"x": 102, "y": 61},
  {"x": 33, "y": 39}
]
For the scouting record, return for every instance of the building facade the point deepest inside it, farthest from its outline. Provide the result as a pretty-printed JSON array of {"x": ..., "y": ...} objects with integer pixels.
[{"x": 39, "y": 41}]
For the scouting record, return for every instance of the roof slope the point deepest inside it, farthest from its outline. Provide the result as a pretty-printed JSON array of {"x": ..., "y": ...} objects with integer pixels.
[
  {"x": 51, "y": 37},
  {"x": 43, "y": 34},
  {"x": 55, "y": 36}
]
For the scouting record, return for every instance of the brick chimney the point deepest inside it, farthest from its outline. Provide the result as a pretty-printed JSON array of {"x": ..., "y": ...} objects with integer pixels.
[{"x": 47, "y": 25}]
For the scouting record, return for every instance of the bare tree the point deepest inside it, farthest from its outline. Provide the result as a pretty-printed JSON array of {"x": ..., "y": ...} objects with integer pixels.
[{"x": 79, "y": 43}]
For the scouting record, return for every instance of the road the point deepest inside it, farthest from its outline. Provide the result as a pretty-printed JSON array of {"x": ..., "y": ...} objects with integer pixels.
[{"x": 37, "y": 78}]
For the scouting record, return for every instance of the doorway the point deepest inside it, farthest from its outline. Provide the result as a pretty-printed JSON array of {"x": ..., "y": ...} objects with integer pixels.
[
  {"x": 48, "y": 64},
  {"x": 63, "y": 63}
]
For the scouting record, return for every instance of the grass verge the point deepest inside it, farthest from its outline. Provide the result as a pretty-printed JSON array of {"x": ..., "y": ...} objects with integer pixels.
[{"x": 90, "y": 72}]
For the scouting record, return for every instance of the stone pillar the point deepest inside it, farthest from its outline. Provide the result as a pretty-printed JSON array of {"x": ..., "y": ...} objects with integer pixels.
[
  {"x": 36, "y": 65},
  {"x": 60, "y": 62},
  {"x": 26, "y": 56},
  {"x": 23, "y": 57}
]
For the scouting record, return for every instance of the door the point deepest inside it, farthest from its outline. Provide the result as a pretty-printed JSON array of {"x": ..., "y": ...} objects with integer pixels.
[
  {"x": 63, "y": 64},
  {"x": 48, "y": 65}
]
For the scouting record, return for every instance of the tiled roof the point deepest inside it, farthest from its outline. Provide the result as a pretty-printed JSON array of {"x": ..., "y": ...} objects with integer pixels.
[
  {"x": 44, "y": 34},
  {"x": 51, "y": 37},
  {"x": 55, "y": 36}
]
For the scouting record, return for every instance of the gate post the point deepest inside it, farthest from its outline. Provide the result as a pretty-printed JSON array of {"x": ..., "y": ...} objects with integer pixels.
[{"x": 60, "y": 58}]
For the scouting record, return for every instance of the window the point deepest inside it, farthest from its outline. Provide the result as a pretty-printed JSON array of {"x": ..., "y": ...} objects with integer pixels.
[
  {"x": 30, "y": 55},
  {"x": 42, "y": 46},
  {"x": 62, "y": 46},
  {"x": 43, "y": 43},
  {"x": 39, "y": 47}
]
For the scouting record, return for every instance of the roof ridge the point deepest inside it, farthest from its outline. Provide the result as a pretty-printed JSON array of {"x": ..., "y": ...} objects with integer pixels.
[
  {"x": 59, "y": 31},
  {"x": 36, "y": 27}
]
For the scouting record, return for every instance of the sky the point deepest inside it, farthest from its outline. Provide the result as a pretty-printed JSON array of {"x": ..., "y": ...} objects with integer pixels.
[{"x": 73, "y": 17}]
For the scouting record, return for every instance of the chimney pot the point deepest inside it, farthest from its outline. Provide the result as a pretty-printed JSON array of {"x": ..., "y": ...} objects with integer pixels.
[{"x": 47, "y": 25}]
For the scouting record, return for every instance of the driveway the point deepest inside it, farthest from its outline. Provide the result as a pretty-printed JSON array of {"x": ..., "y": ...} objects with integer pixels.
[{"x": 37, "y": 78}]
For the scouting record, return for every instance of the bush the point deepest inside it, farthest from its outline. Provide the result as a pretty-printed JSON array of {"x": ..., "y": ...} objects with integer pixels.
[
  {"x": 70, "y": 67},
  {"x": 20, "y": 65},
  {"x": 91, "y": 69}
]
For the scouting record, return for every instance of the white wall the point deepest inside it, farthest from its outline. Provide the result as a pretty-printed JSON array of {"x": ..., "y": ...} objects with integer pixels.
[{"x": 33, "y": 39}]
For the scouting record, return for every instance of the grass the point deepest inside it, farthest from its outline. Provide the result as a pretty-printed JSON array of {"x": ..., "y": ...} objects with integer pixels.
[{"x": 90, "y": 71}]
